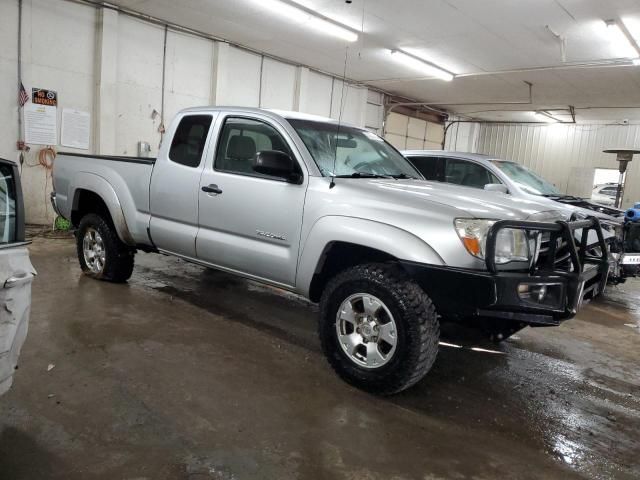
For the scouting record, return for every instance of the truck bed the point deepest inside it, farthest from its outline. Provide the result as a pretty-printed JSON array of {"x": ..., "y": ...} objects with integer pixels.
[{"x": 122, "y": 182}]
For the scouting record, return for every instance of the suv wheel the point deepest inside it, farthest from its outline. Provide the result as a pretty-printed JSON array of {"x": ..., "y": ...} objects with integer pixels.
[
  {"x": 378, "y": 329},
  {"x": 101, "y": 253}
]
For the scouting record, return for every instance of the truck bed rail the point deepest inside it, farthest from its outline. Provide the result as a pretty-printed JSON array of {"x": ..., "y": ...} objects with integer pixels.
[{"x": 115, "y": 158}]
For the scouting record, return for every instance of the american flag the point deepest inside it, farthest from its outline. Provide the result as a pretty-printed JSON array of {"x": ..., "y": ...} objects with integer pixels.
[{"x": 23, "y": 96}]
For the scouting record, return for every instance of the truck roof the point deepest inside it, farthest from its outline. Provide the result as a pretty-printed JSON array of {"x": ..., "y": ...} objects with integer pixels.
[
  {"x": 272, "y": 112},
  {"x": 444, "y": 153}
]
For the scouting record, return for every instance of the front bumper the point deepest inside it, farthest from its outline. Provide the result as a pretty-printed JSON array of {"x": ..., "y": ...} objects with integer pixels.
[
  {"x": 495, "y": 293},
  {"x": 461, "y": 293}
]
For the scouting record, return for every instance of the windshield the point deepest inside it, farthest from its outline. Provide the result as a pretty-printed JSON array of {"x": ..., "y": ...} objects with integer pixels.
[
  {"x": 351, "y": 152},
  {"x": 525, "y": 178}
]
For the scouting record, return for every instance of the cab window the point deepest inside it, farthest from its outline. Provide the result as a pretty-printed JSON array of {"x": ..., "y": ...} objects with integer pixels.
[
  {"x": 429, "y": 166},
  {"x": 189, "y": 140},
  {"x": 469, "y": 174},
  {"x": 241, "y": 139}
]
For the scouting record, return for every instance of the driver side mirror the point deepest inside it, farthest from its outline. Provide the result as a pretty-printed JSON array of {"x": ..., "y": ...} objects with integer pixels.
[
  {"x": 276, "y": 164},
  {"x": 496, "y": 187}
]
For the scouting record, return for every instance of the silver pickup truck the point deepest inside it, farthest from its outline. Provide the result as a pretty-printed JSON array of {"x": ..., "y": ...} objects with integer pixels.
[{"x": 335, "y": 214}]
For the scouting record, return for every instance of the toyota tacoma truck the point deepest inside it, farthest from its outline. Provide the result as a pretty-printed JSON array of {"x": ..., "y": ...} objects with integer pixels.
[{"x": 333, "y": 213}]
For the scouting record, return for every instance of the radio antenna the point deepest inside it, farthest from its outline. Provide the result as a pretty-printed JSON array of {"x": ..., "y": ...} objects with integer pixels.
[{"x": 342, "y": 100}]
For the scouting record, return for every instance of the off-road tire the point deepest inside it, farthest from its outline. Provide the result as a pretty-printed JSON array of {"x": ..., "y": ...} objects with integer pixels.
[
  {"x": 119, "y": 257},
  {"x": 418, "y": 329}
]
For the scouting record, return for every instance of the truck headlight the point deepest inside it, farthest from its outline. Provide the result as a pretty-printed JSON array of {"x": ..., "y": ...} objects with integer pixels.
[{"x": 512, "y": 244}]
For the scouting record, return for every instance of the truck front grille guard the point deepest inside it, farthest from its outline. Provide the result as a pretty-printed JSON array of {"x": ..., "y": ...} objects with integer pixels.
[{"x": 562, "y": 248}]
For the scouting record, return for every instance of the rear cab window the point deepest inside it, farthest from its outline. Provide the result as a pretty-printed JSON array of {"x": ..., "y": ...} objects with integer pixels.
[{"x": 190, "y": 139}]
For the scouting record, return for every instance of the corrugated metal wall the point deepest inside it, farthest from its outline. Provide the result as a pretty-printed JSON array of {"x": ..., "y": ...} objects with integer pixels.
[{"x": 565, "y": 154}]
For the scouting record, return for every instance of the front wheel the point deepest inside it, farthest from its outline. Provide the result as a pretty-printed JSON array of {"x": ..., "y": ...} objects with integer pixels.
[
  {"x": 378, "y": 329},
  {"x": 101, "y": 253}
]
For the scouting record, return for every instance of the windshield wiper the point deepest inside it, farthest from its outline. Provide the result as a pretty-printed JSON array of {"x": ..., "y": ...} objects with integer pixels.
[
  {"x": 363, "y": 175},
  {"x": 560, "y": 196},
  {"x": 404, "y": 176}
]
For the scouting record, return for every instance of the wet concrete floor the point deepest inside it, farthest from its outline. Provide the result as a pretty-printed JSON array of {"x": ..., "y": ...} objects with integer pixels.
[{"x": 187, "y": 373}]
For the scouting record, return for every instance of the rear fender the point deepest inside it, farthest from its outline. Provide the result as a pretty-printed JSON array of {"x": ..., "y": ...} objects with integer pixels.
[{"x": 98, "y": 185}]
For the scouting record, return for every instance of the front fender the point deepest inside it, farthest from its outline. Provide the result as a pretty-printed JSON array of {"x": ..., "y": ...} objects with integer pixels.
[
  {"x": 98, "y": 185},
  {"x": 380, "y": 236}
]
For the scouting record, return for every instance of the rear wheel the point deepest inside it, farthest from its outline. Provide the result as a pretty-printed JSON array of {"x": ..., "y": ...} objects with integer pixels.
[
  {"x": 378, "y": 328},
  {"x": 101, "y": 253}
]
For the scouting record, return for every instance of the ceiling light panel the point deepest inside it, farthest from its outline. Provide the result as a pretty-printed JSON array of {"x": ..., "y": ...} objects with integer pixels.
[
  {"x": 420, "y": 65},
  {"x": 621, "y": 45},
  {"x": 308, "y": 19}
]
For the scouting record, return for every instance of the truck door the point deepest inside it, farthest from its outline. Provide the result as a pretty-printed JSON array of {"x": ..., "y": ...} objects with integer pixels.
[
  {"x": 173, "y": 195},
  {"x": 250, "y": 223},
  {"x": 16, "y": 274}
]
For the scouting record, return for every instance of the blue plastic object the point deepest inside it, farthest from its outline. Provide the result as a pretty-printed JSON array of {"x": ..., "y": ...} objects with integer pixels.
[{"x": 633, "y": 214}]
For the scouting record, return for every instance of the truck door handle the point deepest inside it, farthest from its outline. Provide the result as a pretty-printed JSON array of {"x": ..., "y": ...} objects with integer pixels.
[{"x": 212, "y": 189}]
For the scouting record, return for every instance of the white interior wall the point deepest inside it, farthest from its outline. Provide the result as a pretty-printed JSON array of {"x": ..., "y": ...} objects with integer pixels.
[
  {"x": 57, "y": 54},
  {"x": 316, "y": 92},
  {"x": 110, "y": 65},
  {"x": 349, "y": 103},
  {"x": 188, "y": 74},
  {"x": 278, "y": 85},
  {"x": 374, "y": 115},
  {"x": 564, "y": 154},
  {"x": 238, "y": 77},
  {"x": 138, "y": 84}
]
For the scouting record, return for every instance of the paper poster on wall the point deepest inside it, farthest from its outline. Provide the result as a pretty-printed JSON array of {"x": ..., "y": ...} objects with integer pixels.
[
  {"x": 76, "y": 128},
  {"x": 40, "y": 124}
]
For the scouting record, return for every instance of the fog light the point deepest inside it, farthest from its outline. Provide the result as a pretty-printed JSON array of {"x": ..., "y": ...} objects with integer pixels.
[
  {"x": 536, "y": 293},
  {"x": 548, "y": 294}
]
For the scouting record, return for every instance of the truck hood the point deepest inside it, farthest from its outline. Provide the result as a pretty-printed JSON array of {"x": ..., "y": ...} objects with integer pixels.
[{"x": 471, "y": 202}]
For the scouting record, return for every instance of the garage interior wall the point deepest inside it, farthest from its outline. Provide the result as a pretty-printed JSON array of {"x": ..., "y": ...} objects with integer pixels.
[
  {"x": 410, "y": 133},
  {"x": 566, "y": 155},
  {"x": 111, "y": 64}
]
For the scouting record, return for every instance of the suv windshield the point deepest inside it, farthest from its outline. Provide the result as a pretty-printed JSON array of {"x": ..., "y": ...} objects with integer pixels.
[
  {"x": 525, "y": 178},
  {"x": 351, "y": 152}
]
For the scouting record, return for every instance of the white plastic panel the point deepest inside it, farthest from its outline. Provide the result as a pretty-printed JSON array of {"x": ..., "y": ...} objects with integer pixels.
[
  {"x": 373, "y": 117},
  {"x": 139, "y": 84},
  {"x": 278, "y": 85},
  {"x": 349, "y": 103},
  {"x": 188, "y": 73},
  {"x": 239, "y": 79},
  {"x": 317, "y": 95}
]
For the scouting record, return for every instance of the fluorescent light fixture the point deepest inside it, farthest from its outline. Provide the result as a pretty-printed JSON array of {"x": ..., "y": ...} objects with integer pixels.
[
  {"x": 623, "y": 44},
  {"x": 545, "y": 117},
  {"x": 422, "y": 65},
  {"x": 308, "y": 19}
]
